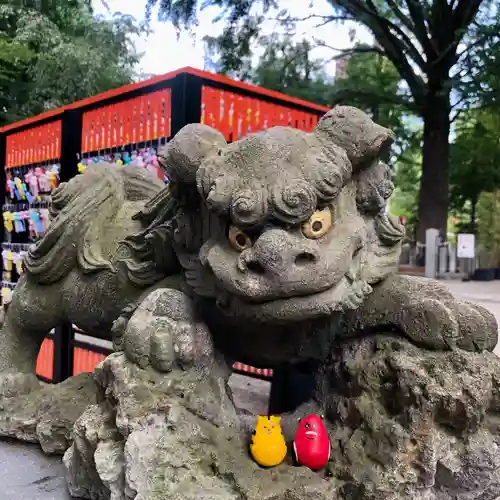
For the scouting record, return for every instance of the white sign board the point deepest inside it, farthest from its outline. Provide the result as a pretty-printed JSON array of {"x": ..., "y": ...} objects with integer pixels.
[{"x": 466, "y": 246}]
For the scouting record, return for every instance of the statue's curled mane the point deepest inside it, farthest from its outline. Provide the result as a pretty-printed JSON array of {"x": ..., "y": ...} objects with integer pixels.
[
  {"x": 82, "y": 210},
  {"x": 152, "y": 252}
]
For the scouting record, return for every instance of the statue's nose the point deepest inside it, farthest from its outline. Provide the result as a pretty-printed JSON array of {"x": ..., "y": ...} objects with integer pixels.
[{"x": 277, "y": 251}]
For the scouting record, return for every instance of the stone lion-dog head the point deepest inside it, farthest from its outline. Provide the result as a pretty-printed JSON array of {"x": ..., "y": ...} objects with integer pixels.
[{"x": 283, "y": 224}]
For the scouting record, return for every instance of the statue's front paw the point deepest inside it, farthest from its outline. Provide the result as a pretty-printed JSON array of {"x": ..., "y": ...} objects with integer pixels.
[
  {"x": 425, "y": 311},
  {"x": 163, "y": 332},
  {"x": 429, "y": 322},
  {"x": 447, "y": 323},
  {"x": 477, "y": 327}
]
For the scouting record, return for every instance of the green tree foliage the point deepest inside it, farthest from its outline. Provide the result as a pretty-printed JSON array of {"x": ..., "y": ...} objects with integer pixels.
[
  {"x": 475, "y": 151},
  {"x": 54, "y": 52},
  {"x": 14, "y": 61},
  {"x": 373, "y": 84},
  {"x": 284, "y": 65},
  {"x": 475, "y": 161},
  {"x": 421, "y": 39},
  {"x": 406, "y": 180},
  {"x": 488, "y": 225},
  {"x": 289, "y": 67},
  {"x": 477, "y": 76}
]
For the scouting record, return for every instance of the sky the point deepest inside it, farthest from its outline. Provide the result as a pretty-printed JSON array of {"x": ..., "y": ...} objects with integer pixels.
[{"x": 164, "y": 51}]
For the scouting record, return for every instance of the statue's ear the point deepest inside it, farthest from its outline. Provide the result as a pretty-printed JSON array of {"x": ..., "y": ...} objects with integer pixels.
[
  {"x": 355, "y": 132},
  {"x": 183, "y": 155},
  {"x": 373, "y": 188}
]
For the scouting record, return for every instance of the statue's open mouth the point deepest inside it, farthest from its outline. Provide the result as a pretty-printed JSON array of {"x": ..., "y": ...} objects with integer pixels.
[{"x": 346, "y": 293}]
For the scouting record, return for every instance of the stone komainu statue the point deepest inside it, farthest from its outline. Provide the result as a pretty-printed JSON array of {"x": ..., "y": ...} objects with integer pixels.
[
  {"x": 274, "y": 249},
  {"x": 276, "y": 244}
]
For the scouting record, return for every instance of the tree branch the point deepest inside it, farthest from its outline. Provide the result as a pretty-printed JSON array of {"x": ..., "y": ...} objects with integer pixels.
[
  {"x": 408, "y": 46},
  {"x": 343, "y": 95},
  {"x": 459, "y": 101},
  {"x": 393, "y": 47},
  {"x": 471, "y": 70},
  {"x": 405, "y": 20},
  {"x": 479, "y": 41},
  {"x": 464, "y": 14},
  {"x": 389, "y": 25},
  {"x": 419, "y": 22},
  {"x": 458, "y": 112},
  {"x": 324, "y": 19},
  {"x": 349, "y": 52}
]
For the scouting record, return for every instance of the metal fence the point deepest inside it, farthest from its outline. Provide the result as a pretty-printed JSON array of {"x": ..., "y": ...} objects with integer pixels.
[{"x": 134, "y": 119}]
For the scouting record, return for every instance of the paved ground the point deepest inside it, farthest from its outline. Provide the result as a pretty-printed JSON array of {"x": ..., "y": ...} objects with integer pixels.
[{"x": 26, "y": 474}]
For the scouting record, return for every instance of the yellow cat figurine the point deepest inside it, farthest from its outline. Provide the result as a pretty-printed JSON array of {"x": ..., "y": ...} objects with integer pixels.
[{"x": 268, "y": 446}]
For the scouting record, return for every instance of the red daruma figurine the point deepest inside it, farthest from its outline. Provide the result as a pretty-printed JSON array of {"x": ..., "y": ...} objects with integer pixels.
[{"x": 311, "y": 445}]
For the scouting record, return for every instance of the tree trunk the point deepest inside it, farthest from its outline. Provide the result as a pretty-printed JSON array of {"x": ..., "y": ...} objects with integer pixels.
[
  {"x": 434, "y": 182},
  {"x": 473, "y": 212}
]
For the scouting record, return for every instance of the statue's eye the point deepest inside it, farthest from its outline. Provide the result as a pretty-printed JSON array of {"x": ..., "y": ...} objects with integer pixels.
[
  {"x": 238, "y": 239},
  {"x": 318, "y": 224},
  {"x": 307, "y": 426}
]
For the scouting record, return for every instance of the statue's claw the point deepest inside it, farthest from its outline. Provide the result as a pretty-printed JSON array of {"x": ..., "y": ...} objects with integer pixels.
[
  {"x": 477, "y": 327},
  {"x": 165, "y": 338},
  {"x": 426, "y": 312},
  {"x": 175, "y": 338}
]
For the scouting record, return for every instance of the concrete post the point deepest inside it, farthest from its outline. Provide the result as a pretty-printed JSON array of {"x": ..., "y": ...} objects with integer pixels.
[
  {"x": 431, "y": 252},
  {"x": 453, "y": 259},
  {"x": 443, "y": 260}
]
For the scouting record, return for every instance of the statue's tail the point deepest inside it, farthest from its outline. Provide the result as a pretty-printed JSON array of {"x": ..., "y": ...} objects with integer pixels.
[{"x": 82, "y": 209}]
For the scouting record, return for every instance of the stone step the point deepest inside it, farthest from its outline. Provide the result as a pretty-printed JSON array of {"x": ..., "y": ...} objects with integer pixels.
[{"x": 412, "y": 270}]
